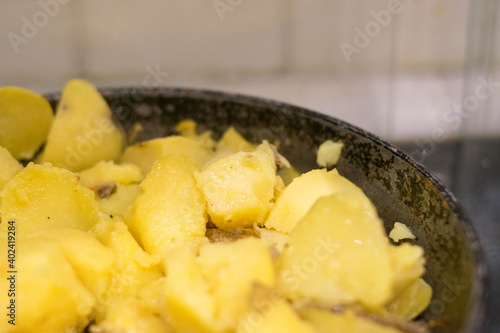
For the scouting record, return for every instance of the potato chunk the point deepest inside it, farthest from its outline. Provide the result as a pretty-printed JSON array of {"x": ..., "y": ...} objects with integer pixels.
[
  {"x": 329, "y": 153},
  {"x": 328, "y": 322},
  {"x": 279, "y": 318},
  {"x": 134, "y": 268},
  {"x": 83, "y": 132},
  {"x": 45, "y": 197},
  {"x": 408, "y": 263},
  {"x": 209, "y": 293},
  {"x": 121, "y": 201},
  {"x": 232, "y": 270},
  {"x": 10, "y": 167},
  {"x": 144, "y": 154},
  {"x": 302, "y": 193},
  {"x": 400, "y": 231},
  {"x": 25, "y": 120},
  {"x": 239, "y": 188},
  {"x": 171, "y": 209},
  {"x": 232, "y": 142},
  {"x": 411, "y": 301},
  {"x": 337, "y": 254},
  {"x": 105, "y": 172},
  {"x": 92, "y": 261},
  {"x": 49, "y": 295},
  {"x": 131, "y": 316},
  {"x": 189, "y": 305}
]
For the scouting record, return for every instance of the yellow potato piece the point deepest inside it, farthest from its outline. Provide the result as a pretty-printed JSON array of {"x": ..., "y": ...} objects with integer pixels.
[
  {"x": 131, "y": 316},
  {"x": 83, "y": 132},
  {"x": 345, "y": 322},
  {"x": 104, "y": 172},
  {"x": 279, "y": 318},
  {"x": 231, "y": 143},
  {"x": 232, "y": 270},
  {"x": 49, "y": 296},
  {"x": 407, "y": 263},
  {"x": 298, "y": 197},
  {"x": 134, "y": 268},
  {"x": 92, "y": 261},
  {"x": 120, "y": 202},
  {"x": 25, "y": 120},
  {"x": 337, "y": 254},
  {"x": 239, "y": 188},
  {"x": 411, "y": 301},
  {"x": 400, "y": 231},
  {"x": 144, "y": 154},
  {"x": 45, "y": 197},
  {"x": 329, "y": 153},
  {"x": 273, "y": 238},
  {"x": 10, "y": 167},
  {"x": 189, "y": 305},
  {"x": 187, "y": 128},
  {"x": 288, "y": 174},
  {"x": 171, "y": 209}
]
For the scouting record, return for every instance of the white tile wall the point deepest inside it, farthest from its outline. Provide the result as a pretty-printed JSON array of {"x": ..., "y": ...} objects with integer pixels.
[
  {"x": 422, "y": 104},
  {"x": 46, "y": 56},
  {"x": 431, "y": 35},
  {"x": 183, "y": 37},
  {"x": 319, "y": 29},
  {"x": 290, "y": 50}
]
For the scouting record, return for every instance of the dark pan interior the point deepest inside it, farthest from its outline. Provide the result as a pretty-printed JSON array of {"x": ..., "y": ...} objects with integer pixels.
[{"x": 401, "y": 189}]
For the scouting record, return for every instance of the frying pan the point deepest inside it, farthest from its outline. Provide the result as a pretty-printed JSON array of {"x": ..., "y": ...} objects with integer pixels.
[{"x": 401, "y": 189}]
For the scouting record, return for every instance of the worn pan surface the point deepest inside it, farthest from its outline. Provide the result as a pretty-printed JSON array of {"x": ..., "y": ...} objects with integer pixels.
[{"x": 401, "y": 189}]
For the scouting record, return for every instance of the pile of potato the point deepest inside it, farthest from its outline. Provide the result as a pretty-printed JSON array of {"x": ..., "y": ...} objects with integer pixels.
[{"x": 185, "y": 234}]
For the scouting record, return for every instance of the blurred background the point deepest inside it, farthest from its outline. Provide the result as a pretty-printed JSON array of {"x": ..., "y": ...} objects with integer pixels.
[{"x": 422, "y": 74}]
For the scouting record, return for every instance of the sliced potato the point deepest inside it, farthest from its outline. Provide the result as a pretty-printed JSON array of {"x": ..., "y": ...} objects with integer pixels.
[
  {"x": 105, "y": 172},
  {"x": 329, "y": 153},
  {"x": 408, "y": 264},
  {"x": 25, "y": 121},
  {"x": 187, "y": 128},
  {"x": 412, "y": 301},
  {"x": 171, "y": 209},
  {"x": 45, "y": 197},
  {"x": 400, "y": 231},
  {"x": 10, "y": 167},
  {"x": 189, "y": 305},
  {"x": 280, "y": 317},
  {"x": 144, "y": 154},
  {"x": 298, "y": 197},
  {"x": 337, "y": 254},
  {"x": 92, "y": 261},
  {"x": 328, "y": 322},
  {"x": 134, "y": 268},
  {"x": 231, "y": 143},
  {"x": 83, "y": 132},
  {"x": 273, "y": 238},
  {"x": 130, "y": 316},
  {"x": 120, "y": 202},
  {"x": 45, "y": 284},
  {"x": 288, "y": 174},
  {"x": 232, "y": 270},
  {"x": 239, "y": 188}
]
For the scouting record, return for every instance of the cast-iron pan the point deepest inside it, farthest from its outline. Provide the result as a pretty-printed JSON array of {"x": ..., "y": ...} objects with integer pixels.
[{"x": 400, "y": 188}]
